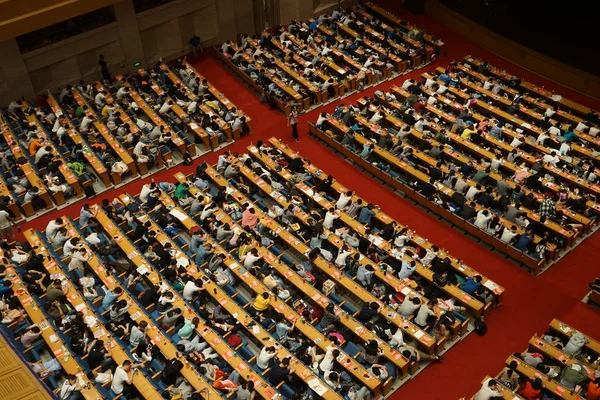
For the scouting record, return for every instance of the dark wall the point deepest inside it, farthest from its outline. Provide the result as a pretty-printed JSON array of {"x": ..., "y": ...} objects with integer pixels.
[{"x": 565, "y": 30}]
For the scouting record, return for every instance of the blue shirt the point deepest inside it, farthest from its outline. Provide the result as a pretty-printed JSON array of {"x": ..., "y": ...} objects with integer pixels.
[
  {"x": 470, "y": 286},
  {"x": 365, "y": 215},
  {"x": 84, "y": 217},
  {"x": 109, "y": 297},
  {"x": 313, "y": 25},
  {"x": 523, "y": 242},
  {"x": 406, "y": 270}
]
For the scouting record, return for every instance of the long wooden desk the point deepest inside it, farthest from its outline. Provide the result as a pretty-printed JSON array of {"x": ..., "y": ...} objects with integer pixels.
[
  {"x": 154, "y": 117},
  {"x": 201, "y": 106},
  {"x": 138, "y": 314},
  {"x": 385, "y": 219},
  {"x": 208, "y": 141},
  {"x": 27, "y": 168},
  {"x": 535, "y": 90},
  {"x": 550, "y": 384}
]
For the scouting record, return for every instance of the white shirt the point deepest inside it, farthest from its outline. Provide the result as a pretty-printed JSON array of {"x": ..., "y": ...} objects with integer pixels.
[
  {"x": 442, "y": 89},
  {"x": 431, "y": 100},
  {"x": 250, "y": 259},
  {"x": 407, "y": 83},
  {"x": 328, "y": 220},
  {"x": 165, "y": 108},
  {"x": 550, "y": 159},
  {"x": 549, "y": 112},
  {"x": 189, "y": 289},
  {"x": 51, "y": 229},
  {"x": 564, "y": 148},
  {"x": 66, "y": 389},
  {"x": 554, "y": 130},
  {"x": 119, "y": 378},
  {"x": 121, "y": 93},
  {"x": 99, "y": 99},
  {"x": 263, "y": 358},
  {"x": 507, "y": 235},
  {"x": 85, "y": 123},
  {"x": 139, "y": 148},
  {"x": 376, "y": 117},
  {"x": 471, "y": 193},
  {"x": 343, "y": 201},
  {"x": 581, "y": 126},
  {"x": 482, "y": 219},
  {"x": 486, "y": 393},
  {"x": 516, "y": 142},
  {"x": 429, "y": 83},
  {"x": 327, "y": 362},
  {"x": 192, "y": 107},
  {"x": 145, "y": 193},
  {"x": 341, "y": 258}
]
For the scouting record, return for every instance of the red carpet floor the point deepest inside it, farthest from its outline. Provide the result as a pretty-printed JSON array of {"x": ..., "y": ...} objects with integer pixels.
[{"x": 530, "y": 302}]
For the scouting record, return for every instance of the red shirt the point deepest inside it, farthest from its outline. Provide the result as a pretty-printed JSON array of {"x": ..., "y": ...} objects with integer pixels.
[
  {"x": 529, "y": 392},
  {"x": 593, "y": 392}
]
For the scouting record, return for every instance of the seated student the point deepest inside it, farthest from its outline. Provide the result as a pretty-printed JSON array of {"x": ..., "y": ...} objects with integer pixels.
[
  {"x": 530, "y": 390},
  {"x": 489, "y": 390},
  {"x": 471, "y": 284}
]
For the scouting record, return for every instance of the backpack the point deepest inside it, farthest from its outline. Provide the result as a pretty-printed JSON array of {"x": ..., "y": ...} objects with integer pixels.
[
  {"x": 234, "y": 340},
  {"x": 480, "y": 327}
]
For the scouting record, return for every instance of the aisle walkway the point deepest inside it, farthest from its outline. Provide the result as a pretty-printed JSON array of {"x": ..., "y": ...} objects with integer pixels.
[{"x": 530, "y": 302}]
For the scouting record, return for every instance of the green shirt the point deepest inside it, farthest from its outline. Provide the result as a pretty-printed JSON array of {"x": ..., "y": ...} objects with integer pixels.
[
  {"x": 77, "y": 167},
  {"x": 79, "y": 112}
]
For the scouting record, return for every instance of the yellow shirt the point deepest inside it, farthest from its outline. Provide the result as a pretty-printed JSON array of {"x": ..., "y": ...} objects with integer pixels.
[
  {"x": 260, "y": 303},
  {"x": 105, "y": 111},
  {"x": 467, "y": 133}
]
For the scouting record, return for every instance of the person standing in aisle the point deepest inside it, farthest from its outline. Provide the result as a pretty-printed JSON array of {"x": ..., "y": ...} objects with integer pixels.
[{"x": 293, "y": 122}]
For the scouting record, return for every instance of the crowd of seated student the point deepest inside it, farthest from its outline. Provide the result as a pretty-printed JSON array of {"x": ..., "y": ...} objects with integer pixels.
[
  {"x": 143, "y": 138},
  {"x": 306, "y": 50},
  {"x": 579, "y": 375},
  {"x": 494, "y": 195},
  {"x": 347, "y": 256},
  {"x": 510, "y": 87}
]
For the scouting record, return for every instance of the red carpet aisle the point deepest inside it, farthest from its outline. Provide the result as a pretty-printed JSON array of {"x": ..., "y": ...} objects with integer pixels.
[{"x": 530, "y": 303}]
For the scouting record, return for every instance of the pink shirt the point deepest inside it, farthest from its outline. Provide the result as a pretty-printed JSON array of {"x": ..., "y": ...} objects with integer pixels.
[{"x": 249, "y": 219}]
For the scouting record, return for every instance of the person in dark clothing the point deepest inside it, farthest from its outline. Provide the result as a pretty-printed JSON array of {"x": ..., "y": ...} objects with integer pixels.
[
  {"x": 280, "y": 372},
  {"x": 468, "y": 211},
  {"x": 103, "y": 68},
  {"x": 367, "y": 312}
]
